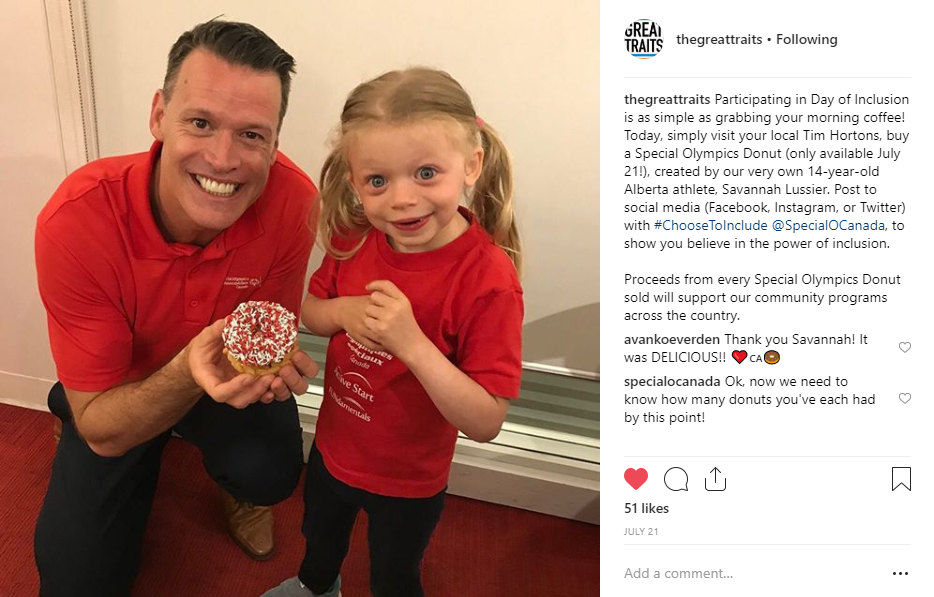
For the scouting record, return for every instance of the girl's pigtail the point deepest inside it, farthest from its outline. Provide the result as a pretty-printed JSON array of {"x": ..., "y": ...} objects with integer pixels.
[
  {"x": 343, "y": 224},
  {"x": 492, "y": 195}
]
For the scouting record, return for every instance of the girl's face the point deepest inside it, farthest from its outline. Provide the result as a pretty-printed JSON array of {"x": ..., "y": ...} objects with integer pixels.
[{"x": 410, "y": 179}]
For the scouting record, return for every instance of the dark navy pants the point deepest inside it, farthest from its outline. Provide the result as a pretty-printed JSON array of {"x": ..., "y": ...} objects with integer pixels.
[
  {"x": 398, "y": 532},
  {"x": 90, "y": 529}
]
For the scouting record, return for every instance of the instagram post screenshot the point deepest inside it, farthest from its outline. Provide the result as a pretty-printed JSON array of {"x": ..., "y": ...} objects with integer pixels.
[
  {"x": 302, "y": 299},
  {"x": 765, "y": 265}
]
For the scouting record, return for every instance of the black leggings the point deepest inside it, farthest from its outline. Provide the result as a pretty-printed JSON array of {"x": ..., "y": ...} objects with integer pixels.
[
  {"x": 398, "y": 533},
  {"x": 90, "y": 529}
]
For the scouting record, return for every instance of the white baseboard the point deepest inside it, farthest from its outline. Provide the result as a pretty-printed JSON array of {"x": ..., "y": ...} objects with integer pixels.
[
  {"x": 28, "y": 392},
  {"x": 538, "y": 482}
]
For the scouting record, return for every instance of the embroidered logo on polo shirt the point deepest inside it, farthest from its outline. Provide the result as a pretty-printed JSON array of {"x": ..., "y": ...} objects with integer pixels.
[{"x": 242, "y": 282}]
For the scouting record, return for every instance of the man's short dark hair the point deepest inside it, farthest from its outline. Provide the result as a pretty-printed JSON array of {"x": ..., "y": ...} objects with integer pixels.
[{"x": 237, "y": 43}]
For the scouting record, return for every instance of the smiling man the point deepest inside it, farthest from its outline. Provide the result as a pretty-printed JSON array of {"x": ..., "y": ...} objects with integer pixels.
[{"x": 139, "y": 259}]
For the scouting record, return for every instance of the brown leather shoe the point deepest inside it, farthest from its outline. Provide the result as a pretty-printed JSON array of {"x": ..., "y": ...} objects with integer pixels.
[
  {"x": 57, "y": 430},
  {"x": 250, "y": 526}
]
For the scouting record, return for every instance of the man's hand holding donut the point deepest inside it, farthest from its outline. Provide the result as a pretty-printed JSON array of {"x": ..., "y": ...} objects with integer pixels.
[
  {"x": 291, "y": 378},
  {"x": 212, "y": 371}
]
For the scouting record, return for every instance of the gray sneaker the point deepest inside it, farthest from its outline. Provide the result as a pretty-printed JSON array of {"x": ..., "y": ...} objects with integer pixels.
[{"x": 294, "y": 588}]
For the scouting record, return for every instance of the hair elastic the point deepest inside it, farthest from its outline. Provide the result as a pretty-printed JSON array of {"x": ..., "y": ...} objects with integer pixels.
[{"x": 479, "y": 122}]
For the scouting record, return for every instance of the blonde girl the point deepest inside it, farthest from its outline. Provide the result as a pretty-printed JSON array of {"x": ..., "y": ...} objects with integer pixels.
[{"x": 420, "y": 296}]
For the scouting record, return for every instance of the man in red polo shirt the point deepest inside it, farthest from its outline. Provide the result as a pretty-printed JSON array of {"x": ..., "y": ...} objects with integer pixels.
[{"x": 139, "y": 259}]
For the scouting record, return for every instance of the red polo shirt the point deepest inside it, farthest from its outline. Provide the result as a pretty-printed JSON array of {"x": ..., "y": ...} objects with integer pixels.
[{"x": 121, "y": 301}]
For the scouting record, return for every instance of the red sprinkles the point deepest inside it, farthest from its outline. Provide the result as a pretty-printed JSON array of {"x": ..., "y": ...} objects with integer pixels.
[{"x": 260, "y": 333}]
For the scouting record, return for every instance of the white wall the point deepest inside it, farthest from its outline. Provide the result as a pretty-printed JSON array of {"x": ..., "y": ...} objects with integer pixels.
[
  {"x": 531, "y": 67},
  {"x": 31, "y": 166}
]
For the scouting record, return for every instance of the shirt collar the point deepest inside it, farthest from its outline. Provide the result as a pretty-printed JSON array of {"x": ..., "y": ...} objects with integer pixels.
[{"x": 147, "y": 239}]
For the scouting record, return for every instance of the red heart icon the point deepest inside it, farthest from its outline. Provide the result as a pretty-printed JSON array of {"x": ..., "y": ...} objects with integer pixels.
[
  {"x": 739, "y": 355},
  {"x": 636, "y": 477}
]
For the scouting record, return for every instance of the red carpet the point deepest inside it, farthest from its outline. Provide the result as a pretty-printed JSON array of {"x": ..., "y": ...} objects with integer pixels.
[{"x": 478, "y": 548}]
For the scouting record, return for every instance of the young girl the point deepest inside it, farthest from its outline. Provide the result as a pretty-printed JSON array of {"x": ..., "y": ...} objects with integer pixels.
[{"x": 421, "y": 299}]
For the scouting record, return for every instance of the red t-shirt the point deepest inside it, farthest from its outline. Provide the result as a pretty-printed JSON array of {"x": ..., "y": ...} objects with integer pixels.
[
  {"x": 122, "y": 301},
  {"x": 378, "y": 429}
]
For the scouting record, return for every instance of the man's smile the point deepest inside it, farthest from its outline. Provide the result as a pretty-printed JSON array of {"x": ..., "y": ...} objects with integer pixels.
[{"x": 216, "y": 187}]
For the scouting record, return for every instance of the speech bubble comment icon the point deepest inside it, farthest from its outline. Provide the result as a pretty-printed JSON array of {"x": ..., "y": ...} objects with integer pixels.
[{"x": 676, "y": 479}]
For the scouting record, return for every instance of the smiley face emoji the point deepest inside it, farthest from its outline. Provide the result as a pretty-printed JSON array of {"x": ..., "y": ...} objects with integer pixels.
[{"x": 771, "y": 357}]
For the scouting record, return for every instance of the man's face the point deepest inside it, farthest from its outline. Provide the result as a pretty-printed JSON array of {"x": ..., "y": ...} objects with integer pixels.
[{"x": 219, "y": 141}]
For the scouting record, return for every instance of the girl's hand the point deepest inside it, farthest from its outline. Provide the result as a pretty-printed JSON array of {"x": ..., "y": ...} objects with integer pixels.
[
  {"x": 353, "y": 320},
  {"x": 389, "y": 319}
]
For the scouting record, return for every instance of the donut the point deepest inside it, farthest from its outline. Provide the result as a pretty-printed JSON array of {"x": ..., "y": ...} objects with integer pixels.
[{"x": 260, "y": 337}]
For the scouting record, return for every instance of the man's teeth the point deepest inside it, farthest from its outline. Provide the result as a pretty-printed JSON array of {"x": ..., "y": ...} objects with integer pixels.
[{"x": 216, "y": 188}]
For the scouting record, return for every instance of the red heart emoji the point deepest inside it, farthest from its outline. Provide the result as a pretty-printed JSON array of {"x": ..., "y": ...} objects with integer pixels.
[
  {"x": 636, "y": 477},
  {"x": 739, "y": 355}
]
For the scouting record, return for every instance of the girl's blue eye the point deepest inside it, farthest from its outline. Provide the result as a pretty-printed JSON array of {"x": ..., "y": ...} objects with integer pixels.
[
  {"x": 426, "y": 173},
  {"x": 377, "y": 181}
]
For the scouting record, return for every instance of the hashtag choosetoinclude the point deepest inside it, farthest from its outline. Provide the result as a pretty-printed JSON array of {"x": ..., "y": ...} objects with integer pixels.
[{"x": 792, "y": 226}]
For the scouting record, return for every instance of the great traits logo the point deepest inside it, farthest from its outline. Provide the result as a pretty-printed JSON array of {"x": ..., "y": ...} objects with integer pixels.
[{"x": 644, "y": 39}]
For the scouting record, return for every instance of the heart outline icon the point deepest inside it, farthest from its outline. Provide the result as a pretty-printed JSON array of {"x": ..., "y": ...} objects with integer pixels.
[
  {"x": 739, "y": 355},
  {"x": 636, "y": 477},
  {"x": 905, "y": 346},
  {"x": 904, "y": 397}
]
